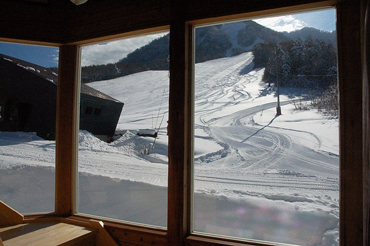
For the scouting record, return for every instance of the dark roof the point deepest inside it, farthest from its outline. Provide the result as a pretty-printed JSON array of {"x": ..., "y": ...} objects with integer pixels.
[
  {"x": 87, "y": 90},
  {"x": 45, "y": 73},
  {"x": 51, "y": 76}
]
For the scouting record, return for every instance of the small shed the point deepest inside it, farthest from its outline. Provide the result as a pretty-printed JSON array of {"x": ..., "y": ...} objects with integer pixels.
[{"x": 30, "y": 106}]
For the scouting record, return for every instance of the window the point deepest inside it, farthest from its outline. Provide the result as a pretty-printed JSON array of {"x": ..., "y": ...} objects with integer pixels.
[
  {"x": 97, "y": 111},
  {"x": 266, "y": 155},
  {"x": 28, "y": 89},
  {"x": 123, "y": 157},
  {"x": 88, "y": 110},
  {"x": 1, "y": 111},
  {"x": 353, "y": 138}
]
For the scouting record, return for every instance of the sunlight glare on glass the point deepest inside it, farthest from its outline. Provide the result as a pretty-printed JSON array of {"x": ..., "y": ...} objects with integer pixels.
[{"x": 266, "y": 155}]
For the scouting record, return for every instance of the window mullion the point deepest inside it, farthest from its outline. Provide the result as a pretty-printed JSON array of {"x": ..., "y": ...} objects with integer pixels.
[
  {"x": 180, "y": 127},
  {"x": 66, "y": 127},
  {"x": 350, "y": 103}
]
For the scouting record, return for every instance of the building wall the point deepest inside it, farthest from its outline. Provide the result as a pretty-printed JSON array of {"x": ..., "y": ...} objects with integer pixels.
[
  {"x": 29, "y": 104},
  {"x": 99, "y": 116},
  {"x": 29, "y": 101}
]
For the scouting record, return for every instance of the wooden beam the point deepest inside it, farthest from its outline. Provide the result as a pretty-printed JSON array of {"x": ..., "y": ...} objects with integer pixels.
[
  {"x": 9, "y": 216},
  {"x": 67, "y": 129},
  {"x": 180, "y": 126},
  {"x": 351, "y": 128}
]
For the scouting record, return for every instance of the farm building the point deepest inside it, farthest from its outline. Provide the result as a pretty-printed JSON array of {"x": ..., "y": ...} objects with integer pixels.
[{"x": 30, "y": 106}]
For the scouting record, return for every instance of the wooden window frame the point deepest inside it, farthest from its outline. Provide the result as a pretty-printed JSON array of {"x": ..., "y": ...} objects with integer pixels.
[{"x": 179, "y": 231}]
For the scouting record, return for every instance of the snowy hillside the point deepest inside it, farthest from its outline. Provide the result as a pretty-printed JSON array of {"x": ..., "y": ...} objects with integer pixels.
[
  {"x": 280, "y": 172},
  {"x": 241, "y": 150}
]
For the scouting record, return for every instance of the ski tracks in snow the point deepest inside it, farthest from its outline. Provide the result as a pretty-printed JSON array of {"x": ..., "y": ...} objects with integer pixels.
[{"x": 255, "y": 160}]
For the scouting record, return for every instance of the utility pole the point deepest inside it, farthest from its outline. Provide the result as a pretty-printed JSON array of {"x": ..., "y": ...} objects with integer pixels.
[{"x": 278, "y": 108}]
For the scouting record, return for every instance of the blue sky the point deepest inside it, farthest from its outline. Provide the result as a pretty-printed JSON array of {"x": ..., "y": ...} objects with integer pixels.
[
  {"x": 40, "y": 55},
  {"x": 113, "y": 51},
  {"x": 323, "y": 20}
]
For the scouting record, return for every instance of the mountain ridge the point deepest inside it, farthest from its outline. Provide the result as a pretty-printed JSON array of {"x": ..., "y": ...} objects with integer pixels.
[{"x": 211, "y": 42}]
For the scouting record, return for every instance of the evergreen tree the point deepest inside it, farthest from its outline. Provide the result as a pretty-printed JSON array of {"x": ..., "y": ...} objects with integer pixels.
[
  {"x": 261, "y": 54},
  {"x": 278, "y": 66},
  {"x": 297, "y": 54}
]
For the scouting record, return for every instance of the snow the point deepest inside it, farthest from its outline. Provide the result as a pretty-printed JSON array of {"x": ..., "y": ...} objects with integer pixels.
[
  {"x": 318, "y": 133},
  {"x": 232, "y": 29},
  {"x": 279, "y": 172},
  {"x": 286, "y": 23},
  {"x": 27, "y": 68}
]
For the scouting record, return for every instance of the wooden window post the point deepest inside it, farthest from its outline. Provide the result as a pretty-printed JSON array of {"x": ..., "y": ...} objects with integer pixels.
[
  {"x": 66, "y": 128},
  {"x": 180, "y": 126},
  {"x": 366, "y": 121},
  {"x": 351, "y": 131}
]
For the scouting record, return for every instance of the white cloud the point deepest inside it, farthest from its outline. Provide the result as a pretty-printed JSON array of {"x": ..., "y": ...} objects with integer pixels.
[
  {"x": 282, "y": 23},
  {"x": 114, "y": 51},
  {"x": 54, "y": 57}
]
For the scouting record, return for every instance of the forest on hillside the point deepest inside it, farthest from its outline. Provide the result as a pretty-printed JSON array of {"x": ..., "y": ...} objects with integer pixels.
[
  {"x": 311, "y": 64},
  {"x": 211, "y": 42}
]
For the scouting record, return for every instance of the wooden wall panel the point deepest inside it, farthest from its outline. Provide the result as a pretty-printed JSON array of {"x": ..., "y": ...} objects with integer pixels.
[
  {"x": 85, "y": 21},
  {"x": 93, "y": 11},
  {"x": 115, "y": 27},
  {"x": 32, "y": 21},
  {"x": 209, "y": 241},
  {"x": 127, "y": 235},
  {"x": 63, "y": 22},
  {"x": 350, "y": 102},
  {"x": 119, "y": 17}
]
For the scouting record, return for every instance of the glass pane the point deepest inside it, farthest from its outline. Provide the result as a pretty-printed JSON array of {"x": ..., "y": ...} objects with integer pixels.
[
  {"x": 266, "y": 157},
  {"x": 123, "y": 158},
  {"x": 28, "y": 87}
]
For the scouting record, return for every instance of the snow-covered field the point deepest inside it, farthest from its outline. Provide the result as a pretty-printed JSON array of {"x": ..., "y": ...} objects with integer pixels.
[{"x": 255, "y": 175}]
